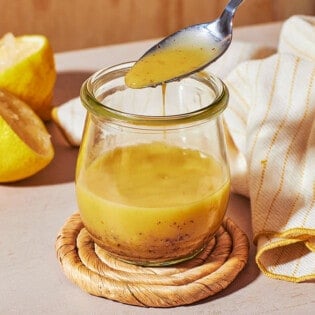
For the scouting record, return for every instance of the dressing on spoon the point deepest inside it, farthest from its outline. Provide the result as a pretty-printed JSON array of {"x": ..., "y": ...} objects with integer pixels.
[{"x": 184, "y": 52}]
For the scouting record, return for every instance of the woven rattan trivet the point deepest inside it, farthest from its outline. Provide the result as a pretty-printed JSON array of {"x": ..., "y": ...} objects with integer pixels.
[{"x": 99, "y": 274}]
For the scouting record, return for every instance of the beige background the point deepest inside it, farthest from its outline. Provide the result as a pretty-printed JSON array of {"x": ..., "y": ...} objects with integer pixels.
[{"x": 74, "y": 24}]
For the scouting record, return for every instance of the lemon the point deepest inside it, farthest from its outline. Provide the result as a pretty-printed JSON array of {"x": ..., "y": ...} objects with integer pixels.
[
  {"x": 27, "y": 70},
  {"x": 25, "y": 145}
]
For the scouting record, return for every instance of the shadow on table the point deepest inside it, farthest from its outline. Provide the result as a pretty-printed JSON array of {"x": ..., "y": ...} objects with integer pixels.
[
  {"x": 68, "y": 85},
  {"x": 239, "y": 212},
  {"x": 62, "y": 168}
]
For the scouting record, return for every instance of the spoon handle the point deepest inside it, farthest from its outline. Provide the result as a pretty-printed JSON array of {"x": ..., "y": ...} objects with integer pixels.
[
  {"x": 232, "y": 6},
  {"x": 225, "y": 20}
]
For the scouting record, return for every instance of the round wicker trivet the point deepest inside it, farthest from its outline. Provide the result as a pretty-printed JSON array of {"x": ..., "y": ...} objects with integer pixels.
[{"x": 98, "y": 273}]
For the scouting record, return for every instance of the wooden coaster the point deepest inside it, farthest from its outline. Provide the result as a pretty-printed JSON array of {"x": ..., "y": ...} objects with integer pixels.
[{"x": 98, "y": 273}]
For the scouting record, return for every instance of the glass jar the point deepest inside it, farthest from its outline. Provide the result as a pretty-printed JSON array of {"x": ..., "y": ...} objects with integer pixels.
[{"x": 152, "y": 179}]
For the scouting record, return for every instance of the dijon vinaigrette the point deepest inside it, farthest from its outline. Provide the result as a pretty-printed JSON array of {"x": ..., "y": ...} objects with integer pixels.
[
  {"x": 159, "y": 197},
  {"x": 153, "y": 202},
  {"x": 166, "y": 64}
]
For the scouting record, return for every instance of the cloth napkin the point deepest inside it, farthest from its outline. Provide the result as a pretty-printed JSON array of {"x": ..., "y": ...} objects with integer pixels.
[
  {"x": 270, "y": 133},
  {"x": 271, "y": 139}
]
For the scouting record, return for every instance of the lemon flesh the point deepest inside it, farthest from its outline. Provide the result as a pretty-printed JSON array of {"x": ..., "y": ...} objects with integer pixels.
[
  {"x": 27, "y": 70},
  {"x": 25, "y": 145}
]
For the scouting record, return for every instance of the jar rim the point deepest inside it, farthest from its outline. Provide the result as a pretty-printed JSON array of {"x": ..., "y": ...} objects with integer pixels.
[{"x": 100, "y": 109}]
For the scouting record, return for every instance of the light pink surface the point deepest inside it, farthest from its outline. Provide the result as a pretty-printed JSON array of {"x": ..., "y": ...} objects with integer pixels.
[{"x": 32, "y": 212}]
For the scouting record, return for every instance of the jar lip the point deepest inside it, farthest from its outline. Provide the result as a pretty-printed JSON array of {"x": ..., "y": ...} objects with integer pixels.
[{"x": 99, "y": 109}]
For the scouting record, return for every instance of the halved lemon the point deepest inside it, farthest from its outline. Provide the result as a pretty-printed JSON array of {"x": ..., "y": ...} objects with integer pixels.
[
  {"x": 25, "y": 144},
  {"x": 27, "y": 70}
]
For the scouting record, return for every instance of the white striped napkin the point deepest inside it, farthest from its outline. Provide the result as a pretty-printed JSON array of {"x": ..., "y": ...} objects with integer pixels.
[{"x": 271, "y": 124}]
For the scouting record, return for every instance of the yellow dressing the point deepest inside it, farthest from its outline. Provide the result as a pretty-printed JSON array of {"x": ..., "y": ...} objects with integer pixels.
[
  {"x": 166, "y": 64},
  {"x": 153, "y": 201}
]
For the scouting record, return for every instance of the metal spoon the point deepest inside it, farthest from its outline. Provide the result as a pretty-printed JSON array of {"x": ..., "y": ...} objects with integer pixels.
[{"x": 212, "y": 39}]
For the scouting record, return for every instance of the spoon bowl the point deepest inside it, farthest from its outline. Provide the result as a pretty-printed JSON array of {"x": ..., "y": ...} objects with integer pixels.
[{"x": 187, "y": 51}]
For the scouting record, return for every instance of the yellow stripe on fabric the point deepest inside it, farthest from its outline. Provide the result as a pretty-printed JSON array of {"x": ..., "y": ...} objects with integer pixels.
[
  {"x": 279, "y": 257},
  {"x": 262, "y": 123},
  {"x": 273, "y": 142},
  {"x": 238, "y": 73},
  {"x": 235, "y": 110},
  {"x": 257, "y": 77},
  {"x": 308, "y": 101},
  {"x": 268, "y": 107},
  {"x": 297, "y": 263},
  {"x": 311, "y": 207},
  {"x": 301, "y": 123}
]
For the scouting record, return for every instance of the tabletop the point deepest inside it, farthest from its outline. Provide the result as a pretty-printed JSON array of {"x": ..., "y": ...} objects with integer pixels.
[{"x": 32, "y": 212}]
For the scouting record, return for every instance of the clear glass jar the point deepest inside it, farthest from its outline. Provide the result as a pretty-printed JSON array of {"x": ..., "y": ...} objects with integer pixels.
[{"x": 152, "y": 179}]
